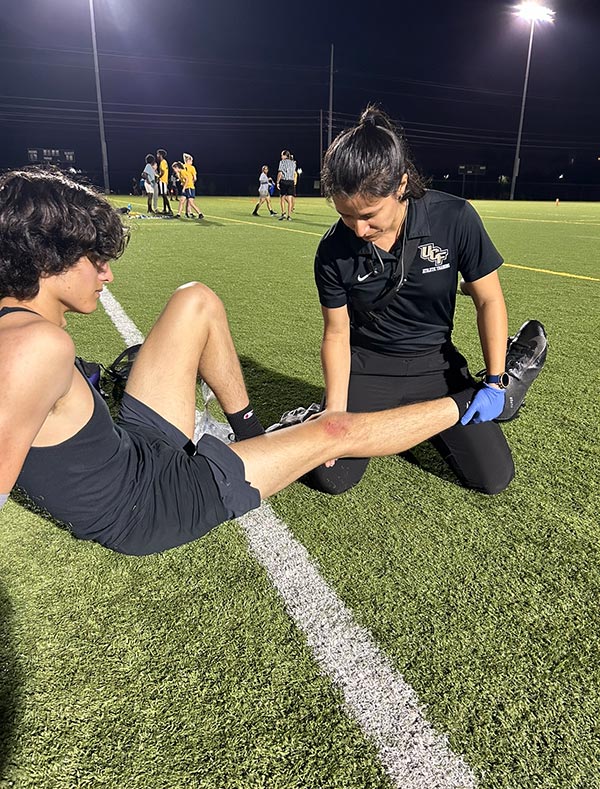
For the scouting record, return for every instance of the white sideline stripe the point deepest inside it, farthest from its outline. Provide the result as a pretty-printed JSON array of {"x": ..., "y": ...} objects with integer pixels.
[
  {"x": 385, "y": 707},
  {"x": 123, "y": 323},
  {"x": 383, "y": 704}
]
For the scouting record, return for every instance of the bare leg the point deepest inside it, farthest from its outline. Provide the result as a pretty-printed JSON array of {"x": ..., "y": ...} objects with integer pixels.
[
  {"x": 191, "y": 336},
  {"x": 193, "y": 206},
  {"x": 276, "y": 459}
]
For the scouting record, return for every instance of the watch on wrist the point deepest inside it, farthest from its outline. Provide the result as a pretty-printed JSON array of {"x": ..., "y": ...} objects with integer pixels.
[{"x": 502, "y": 380}]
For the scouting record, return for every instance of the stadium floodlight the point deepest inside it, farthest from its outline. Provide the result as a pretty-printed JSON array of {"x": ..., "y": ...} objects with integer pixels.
[
  {"x": 99, "y": 99},
  {"x": 532, "y": 12}
]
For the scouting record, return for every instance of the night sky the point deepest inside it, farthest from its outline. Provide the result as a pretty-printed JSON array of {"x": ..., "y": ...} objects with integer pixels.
[{"x": 234, "y": 82}]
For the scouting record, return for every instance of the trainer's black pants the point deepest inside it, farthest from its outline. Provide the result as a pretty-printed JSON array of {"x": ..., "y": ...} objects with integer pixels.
[{"x": 478, "y": 454}]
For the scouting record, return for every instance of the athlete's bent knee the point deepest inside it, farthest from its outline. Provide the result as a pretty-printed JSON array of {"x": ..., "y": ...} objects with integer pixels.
[{"x": 199, "y": 297}]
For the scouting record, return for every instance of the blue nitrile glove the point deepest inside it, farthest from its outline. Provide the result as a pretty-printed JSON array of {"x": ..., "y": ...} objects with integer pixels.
[{"x": 487, "y": 404}]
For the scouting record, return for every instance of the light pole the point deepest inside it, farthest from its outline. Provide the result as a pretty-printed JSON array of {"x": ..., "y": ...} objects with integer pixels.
[
  {"x": 533, "y": 12},
  {"x": 99, "y": 100}
]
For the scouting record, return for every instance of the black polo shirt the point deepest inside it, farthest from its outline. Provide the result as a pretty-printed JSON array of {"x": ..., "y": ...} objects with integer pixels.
[{"x": 450, "y": 238}]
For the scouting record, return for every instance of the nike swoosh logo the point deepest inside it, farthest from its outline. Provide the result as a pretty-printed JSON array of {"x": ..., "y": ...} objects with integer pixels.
[{"x": 362, "y": 279}]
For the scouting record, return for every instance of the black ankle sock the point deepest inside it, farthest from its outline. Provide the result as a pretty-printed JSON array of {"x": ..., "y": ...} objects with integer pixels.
[
  {"x": 245, "y": 423},
  {"x": 463, "y": 399}
]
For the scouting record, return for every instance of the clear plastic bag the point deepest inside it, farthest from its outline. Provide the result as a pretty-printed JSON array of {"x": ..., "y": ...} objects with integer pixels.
[{"x": 207, "y": 424}]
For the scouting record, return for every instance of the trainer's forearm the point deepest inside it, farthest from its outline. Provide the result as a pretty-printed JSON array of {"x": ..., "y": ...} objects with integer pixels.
[
  {"x": 492, "y": 324},
  {"x": 335, "y": 360}
]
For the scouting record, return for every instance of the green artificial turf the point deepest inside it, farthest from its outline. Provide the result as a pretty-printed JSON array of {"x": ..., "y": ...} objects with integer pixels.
[{"x": 184, "y": 669}]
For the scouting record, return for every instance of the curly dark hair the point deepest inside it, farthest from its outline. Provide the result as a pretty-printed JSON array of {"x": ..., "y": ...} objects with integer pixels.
[
  {"x": 47, "y": 223},
  {"x": 371, "y": 158}
]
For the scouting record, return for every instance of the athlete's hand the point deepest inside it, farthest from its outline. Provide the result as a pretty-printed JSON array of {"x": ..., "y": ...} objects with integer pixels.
[{"x": 487, "y": 405}]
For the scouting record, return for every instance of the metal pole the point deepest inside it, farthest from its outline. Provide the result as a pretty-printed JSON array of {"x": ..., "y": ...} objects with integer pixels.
[
  {"x": 330, "y": 98},
  {"x": 517, "y": 160},
  {"x": 320, "y": 150},
  {"x": 99, "y": 99}
]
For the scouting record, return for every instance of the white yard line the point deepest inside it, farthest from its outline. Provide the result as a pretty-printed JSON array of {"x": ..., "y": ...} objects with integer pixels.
[{"x": 385, "y": 707}]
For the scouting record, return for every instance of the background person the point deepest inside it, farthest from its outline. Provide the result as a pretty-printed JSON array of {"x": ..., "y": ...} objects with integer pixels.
[
  {"x": 151, "y": 183},
  {"x": 163, "y": 180},
  {"x": 386, "y": 274},
  {"x": 297, "y": 172},
  {"x": 264, "y": 195},
  {"x": 189, "y": 187},
  {"x": 285, "y": 183},
  {"x": 179, "y": 180}
]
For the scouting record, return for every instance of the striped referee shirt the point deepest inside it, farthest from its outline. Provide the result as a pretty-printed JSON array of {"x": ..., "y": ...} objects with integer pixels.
[{"x": 287, "y": 168}]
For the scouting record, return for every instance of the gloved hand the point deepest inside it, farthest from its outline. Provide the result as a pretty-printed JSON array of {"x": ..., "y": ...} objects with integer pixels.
[{"x": 487, "y": 404}]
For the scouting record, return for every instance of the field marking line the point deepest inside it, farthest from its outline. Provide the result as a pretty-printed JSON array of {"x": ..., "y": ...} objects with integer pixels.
[
  {"x": 385, "y": 707},
  {"x": 585, "y": 222},
  {"x": 554, "y": 273},
  {"x": 271, "y": 225}
]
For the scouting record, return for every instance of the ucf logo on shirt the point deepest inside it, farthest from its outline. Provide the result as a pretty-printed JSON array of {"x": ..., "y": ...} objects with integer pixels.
[{"x": 434, "y": 254}]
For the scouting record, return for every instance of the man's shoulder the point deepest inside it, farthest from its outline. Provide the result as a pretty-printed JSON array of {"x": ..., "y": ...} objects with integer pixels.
[{"x": 34, "y": 340}]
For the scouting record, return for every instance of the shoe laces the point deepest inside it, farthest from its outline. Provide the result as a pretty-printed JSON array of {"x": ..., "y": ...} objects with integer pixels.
[{"x": 520, "y": 357}]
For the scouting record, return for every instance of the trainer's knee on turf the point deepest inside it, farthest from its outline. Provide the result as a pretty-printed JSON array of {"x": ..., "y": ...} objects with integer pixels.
[
  {"x": 491, "y": 485},
  {"x": 345, "y": 474}
]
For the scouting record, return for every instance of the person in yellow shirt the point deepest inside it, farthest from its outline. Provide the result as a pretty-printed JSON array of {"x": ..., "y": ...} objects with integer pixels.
[
  {"x": 189, "y": 186},
  {"x": 163, "y": 180}
]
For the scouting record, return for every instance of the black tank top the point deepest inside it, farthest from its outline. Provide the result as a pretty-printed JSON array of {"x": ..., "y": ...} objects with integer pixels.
[
  {"x": 128, "y": 489},
  {"x": 6, "y": 310}
]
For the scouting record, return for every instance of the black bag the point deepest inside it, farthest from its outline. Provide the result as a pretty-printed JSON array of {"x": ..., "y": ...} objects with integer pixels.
[
  {"x": 92, "y": 371},
  {"x": 109, "y": 381},
  {"x": 118, "y": 372}
]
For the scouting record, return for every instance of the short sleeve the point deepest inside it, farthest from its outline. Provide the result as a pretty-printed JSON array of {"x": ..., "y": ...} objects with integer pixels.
[
  {"x": 477, "y": 255},
  {"x": 332, "y": 293}
]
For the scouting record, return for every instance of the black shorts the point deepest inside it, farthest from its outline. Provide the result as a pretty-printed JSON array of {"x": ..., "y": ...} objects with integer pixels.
[
  {"x": 215, "y": 471},
  {"x": 286, "y": 187}
]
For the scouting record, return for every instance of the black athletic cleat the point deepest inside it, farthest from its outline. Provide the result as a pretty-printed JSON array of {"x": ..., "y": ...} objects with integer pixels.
[
  {"x": 525, "y": 357},
  {"x": 294, "y": 417}
]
